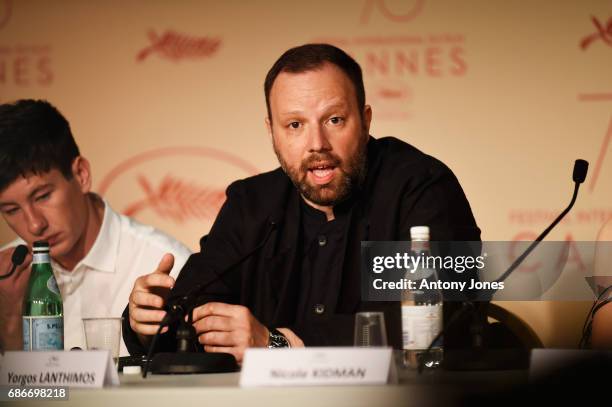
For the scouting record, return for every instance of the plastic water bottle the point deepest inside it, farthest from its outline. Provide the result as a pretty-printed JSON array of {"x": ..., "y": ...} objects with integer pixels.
[{"x": 421, "y": 308}]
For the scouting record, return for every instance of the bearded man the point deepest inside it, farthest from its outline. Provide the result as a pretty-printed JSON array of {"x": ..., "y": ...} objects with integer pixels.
[{"x": 281, "y": 265}]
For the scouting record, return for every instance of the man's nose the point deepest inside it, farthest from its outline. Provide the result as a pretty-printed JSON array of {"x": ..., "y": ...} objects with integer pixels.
[
  {"x": 36, "y": 221},
  {"x": 318, "y": 139}
]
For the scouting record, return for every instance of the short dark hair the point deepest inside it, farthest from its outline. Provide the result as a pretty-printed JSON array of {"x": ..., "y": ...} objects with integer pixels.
[
  {"x": 34, "y": 139},
  {"x": 309, "y": 57}
]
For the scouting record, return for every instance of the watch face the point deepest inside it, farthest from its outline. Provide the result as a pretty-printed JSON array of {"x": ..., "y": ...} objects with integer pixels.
[{"x": 277, "y": 340}]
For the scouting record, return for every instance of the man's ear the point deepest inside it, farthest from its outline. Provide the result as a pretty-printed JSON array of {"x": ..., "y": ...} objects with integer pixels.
[
  {"x": 268, "y": 126},
  {"x": 367, "y": 118},
  {"x": 81, "y": 171}
]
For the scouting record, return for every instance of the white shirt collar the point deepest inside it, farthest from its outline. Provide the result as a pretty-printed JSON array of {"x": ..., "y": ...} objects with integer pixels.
[{"x": 103, "y": 254}]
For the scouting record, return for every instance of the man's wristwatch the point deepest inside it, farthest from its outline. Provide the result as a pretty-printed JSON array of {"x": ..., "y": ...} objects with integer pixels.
[{"x": 277, "y": 339}]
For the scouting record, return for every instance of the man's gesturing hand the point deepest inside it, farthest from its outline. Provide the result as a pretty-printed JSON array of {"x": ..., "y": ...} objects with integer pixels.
[
  {"x": 148, "y": 298},
  {"x": 228, "y": 329}
]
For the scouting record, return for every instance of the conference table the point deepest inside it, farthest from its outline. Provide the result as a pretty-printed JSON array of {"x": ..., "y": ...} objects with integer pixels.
[{"x": 433, "y": 387}]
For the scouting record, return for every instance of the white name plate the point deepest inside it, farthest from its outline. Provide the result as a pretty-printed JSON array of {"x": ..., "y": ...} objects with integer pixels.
[
  {"x": 316, "y": 366},
  {"x": 91, "y": 369}
]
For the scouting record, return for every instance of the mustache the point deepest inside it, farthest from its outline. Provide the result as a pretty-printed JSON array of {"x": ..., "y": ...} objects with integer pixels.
[{"x": 317, "y": 158}]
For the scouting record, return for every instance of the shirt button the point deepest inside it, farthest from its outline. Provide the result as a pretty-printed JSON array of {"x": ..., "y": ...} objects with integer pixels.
[
  {"x": 322, "y": 240},
  {"x": 319, "y": 309}
]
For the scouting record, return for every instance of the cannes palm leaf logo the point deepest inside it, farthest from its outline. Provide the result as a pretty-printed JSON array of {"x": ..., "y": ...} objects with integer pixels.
[
  {"x": 178, "y": 200},
  {"x": 175, "y": 46}
]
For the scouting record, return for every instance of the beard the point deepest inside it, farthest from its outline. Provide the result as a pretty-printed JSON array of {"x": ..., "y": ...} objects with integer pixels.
[{"x": 352, "y": 174}]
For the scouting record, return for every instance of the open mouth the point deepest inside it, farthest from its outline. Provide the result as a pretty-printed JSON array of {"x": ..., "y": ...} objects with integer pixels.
[{"x": 322, "y": 173}]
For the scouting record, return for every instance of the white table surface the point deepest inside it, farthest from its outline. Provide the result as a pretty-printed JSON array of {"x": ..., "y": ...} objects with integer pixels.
[{"x": 431, "y": 388}]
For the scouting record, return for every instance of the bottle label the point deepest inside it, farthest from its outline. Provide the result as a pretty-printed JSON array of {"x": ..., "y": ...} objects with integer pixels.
[
  {"x": 41, "y": 258},
  {"x": 420, "y": 325},
  {"x": 52, "y": 285},
  {"x": 43, "y": 333}
]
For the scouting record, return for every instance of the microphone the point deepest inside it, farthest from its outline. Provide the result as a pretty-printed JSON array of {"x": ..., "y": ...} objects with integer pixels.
[
  {"x": 19, "y": 255},
  {"x": 177, "y": 308},
  {"x": 580, "y": 171},
  {"x": 579, "y": 175},
  {"x": 478, "y": 311},
  {"x": 187, "y": 302}
]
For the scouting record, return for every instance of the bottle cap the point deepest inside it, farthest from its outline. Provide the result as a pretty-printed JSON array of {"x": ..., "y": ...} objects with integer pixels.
[
  {"x": 419, "y": 233},
  {"x": 40, "y": 246}
]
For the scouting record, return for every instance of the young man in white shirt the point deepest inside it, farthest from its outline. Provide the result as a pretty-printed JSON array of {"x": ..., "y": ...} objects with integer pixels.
[{"x": 45, "y": 194}]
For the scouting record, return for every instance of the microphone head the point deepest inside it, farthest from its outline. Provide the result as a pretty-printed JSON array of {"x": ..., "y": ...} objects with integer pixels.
[
  {"x": 580, "y": 171},
  {"x": 19, "y": 255}
]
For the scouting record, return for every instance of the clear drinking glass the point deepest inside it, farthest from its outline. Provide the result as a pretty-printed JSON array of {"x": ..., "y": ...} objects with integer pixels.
[
  {"x": 370, "y": 329},
  {"x": 103, "y": 334}
]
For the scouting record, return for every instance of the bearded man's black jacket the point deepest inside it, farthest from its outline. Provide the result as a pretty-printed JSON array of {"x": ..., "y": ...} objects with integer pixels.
[{"x": 260, "y": 223}]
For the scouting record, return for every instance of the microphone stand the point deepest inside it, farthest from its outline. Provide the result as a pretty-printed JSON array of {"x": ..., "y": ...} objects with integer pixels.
[
  {"x": 479, "y": 356},
  {"x": 186, "y": 359}
]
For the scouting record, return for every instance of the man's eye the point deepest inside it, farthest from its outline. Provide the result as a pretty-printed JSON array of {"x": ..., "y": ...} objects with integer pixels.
[
  {"x": 294, "y": 125},
  {"x": 336, "y": 120},
  {"x": 11, "y": 211},
  {"x": 43, "y": 196}
]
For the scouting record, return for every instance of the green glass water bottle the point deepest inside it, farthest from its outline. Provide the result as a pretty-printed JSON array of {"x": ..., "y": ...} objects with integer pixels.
[{"x": 43, "y": 315}]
